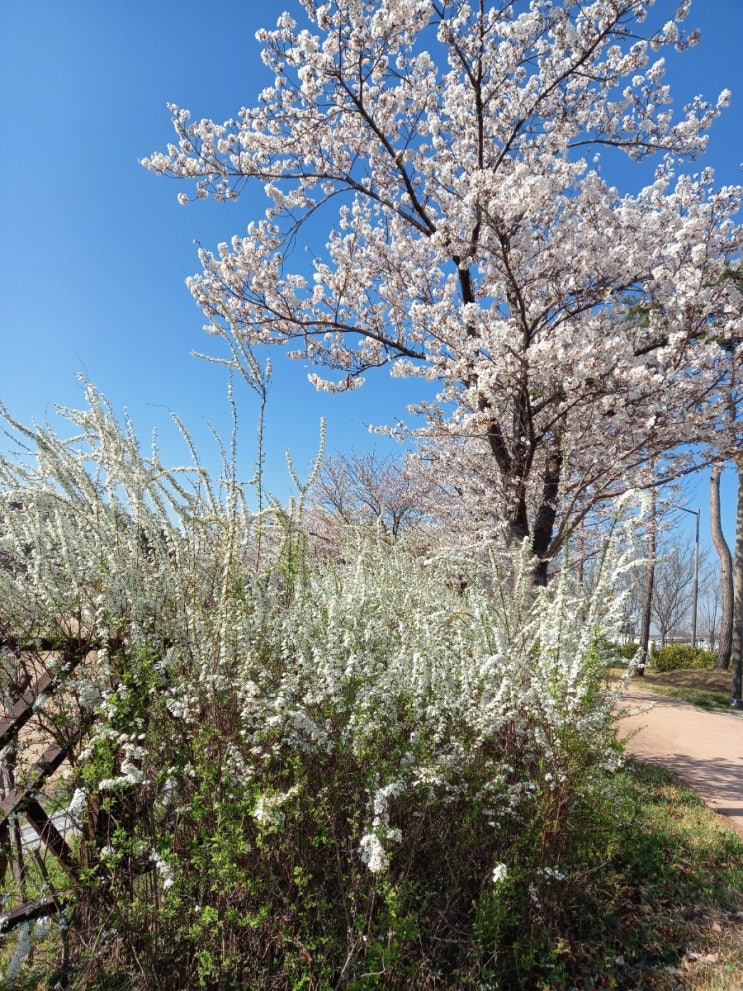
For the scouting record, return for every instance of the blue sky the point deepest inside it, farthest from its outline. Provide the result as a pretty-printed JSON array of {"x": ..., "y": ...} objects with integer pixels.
[{"x": 94, "y": 249}]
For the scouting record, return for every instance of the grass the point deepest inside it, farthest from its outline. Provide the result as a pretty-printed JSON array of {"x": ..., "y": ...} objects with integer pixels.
[
  {"x": 674, "y": 918},
  {"x": 709, "y": 689}
]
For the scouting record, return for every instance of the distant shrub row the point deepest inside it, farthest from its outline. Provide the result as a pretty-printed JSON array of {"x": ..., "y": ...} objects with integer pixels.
[
  {"x": 672, "y": 657},
  {"x": 626, "y": 650},
  {"x": 681, "y": 655}
]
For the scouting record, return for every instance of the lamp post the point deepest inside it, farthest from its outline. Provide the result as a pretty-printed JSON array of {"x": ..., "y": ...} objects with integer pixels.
[{"x": 695, "y": 586}]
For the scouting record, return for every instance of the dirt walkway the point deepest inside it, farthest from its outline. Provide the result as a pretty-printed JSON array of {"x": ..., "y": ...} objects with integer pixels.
[{"x": 702, "y": 748}]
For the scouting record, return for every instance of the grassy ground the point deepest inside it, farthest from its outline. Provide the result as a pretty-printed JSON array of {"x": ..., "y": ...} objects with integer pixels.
[
  {"x": 710, "y": 689},
  {"x": 696, "y": 844},
  {"x": 675, "y": 918}
]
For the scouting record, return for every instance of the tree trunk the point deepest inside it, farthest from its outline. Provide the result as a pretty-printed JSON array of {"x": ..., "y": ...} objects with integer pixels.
[
  {"x": 736, "y": 654},
  {"x": 647, "y": 599},
  {"x": 722, "y": 663},
  {"x": 544, "y": 523}
]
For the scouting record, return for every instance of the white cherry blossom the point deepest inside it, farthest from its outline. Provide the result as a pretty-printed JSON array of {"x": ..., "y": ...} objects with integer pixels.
[{"x": 449, "y": 157}]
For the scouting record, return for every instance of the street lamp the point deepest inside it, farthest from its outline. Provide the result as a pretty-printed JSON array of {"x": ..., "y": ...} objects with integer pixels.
[{"x": 695, "y": 586}]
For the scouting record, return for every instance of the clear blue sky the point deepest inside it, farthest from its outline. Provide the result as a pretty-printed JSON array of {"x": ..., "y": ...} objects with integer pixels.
[{"x": 94, "y": 250}]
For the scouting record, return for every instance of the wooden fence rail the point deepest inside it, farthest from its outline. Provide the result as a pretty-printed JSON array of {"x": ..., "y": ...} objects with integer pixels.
[{"x": 22, "y": 798}]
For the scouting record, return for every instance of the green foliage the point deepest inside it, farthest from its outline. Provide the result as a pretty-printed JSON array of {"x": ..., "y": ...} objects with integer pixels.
[
  {"x": 675, "y": 656},
  {"x": 627, "y": 651}
]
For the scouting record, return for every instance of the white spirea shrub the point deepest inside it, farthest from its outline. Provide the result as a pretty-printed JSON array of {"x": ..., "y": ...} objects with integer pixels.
[
  {"x": 385, "y": 658},
  {"x": 378, "y": 656}
]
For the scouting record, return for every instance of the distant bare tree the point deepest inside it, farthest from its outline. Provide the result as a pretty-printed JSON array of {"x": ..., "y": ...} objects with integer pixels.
[
  {"x": 674, "y": 572},
  {"x": 710, "y": 623}
]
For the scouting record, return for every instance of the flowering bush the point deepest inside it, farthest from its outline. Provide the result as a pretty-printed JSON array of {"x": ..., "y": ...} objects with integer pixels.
[{"x": 352, "y": 773}]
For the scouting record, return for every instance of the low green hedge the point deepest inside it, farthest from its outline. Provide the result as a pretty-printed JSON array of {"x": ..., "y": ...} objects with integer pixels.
[
  {"x": 675, "y": 656},
  {"x": 627, "y": 650}
]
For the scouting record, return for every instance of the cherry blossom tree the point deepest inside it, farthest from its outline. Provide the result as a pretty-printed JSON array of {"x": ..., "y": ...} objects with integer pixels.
[
  {"x": 454, "y": 156},
  {"x": 370, "y": 489}
]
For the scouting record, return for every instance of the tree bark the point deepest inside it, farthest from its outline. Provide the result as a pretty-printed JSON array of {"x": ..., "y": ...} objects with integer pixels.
[
  {"x": 647, "y": 599},
  {"x": 722, "y": 662},
  {"x": 736, "y": 654},
  {"x": 545, "y": 520}
]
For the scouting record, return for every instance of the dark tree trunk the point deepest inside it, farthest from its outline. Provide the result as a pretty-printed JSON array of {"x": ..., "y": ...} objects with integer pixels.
[
  {"x": 544, "y": 524},
  {"x": 515, "y": 466},
  {"x": 722, "y": 662}
]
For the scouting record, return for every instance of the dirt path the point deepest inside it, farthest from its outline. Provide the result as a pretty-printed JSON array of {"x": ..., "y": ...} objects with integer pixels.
[{"x": 703, "y": 748}]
